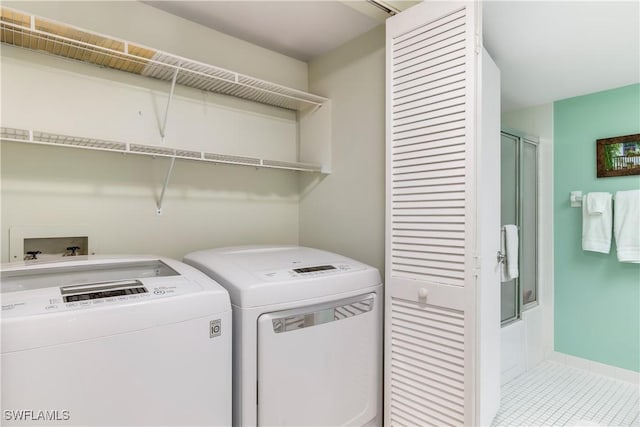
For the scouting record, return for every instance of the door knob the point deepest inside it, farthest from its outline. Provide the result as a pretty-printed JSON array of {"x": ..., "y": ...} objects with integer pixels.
[{"x": 422, "y": 293}]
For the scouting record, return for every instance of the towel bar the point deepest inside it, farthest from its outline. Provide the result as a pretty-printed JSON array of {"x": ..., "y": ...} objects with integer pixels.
[{"x": 576, "y": 198}]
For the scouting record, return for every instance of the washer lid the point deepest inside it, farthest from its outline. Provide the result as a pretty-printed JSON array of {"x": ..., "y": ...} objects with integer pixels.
[
  {"x": 88, "y": 298},
  {"x": 263, "y": 275}
]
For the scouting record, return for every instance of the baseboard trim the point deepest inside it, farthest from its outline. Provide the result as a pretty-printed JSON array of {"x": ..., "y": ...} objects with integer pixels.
[{"x": 595, "y": 367}]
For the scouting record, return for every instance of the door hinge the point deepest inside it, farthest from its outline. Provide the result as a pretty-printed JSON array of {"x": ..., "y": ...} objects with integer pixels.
[
  {"x": 477, "y": 265},
  {"x": 478, "y": 44}
]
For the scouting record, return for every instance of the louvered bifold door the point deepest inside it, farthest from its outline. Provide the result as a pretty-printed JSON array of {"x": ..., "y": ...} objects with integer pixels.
[{"x": 430, "y": 225}]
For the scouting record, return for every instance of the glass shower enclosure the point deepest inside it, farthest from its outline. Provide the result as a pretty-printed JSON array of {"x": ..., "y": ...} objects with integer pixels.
[{"x": 519, "y": 206}]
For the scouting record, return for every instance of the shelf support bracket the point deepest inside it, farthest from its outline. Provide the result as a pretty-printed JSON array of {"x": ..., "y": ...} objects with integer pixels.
[
  {"x": 164, "y": 186},
  {"x": 316, "y": 108},
  {"x": 163, "y": 129}
]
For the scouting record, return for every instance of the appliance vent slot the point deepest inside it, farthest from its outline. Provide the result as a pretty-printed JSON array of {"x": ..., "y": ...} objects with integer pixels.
[{"x": 427, "y": 365}]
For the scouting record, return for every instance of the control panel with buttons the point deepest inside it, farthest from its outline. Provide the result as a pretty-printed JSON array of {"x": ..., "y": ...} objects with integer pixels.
[
  {"x": 308, "y": 271},
  {"x": 58, "y": 299}
]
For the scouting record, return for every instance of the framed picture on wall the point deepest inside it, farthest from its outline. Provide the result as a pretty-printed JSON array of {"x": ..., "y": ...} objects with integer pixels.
[{"x": 618, "y": 156}]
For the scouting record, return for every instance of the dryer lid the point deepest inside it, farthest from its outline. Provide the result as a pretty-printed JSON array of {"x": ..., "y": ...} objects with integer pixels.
[{"x": 263, "y": 275}]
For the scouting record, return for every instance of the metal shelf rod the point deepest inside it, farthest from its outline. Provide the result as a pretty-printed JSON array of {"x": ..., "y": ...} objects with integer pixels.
[
  {"x": 166, "y": 112},
  {"x": 164, "y": 185}
]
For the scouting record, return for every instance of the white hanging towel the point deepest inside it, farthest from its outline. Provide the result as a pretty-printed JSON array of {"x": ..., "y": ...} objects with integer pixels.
[
  {"x": 598, "y": 203},
  {"x": 596, "y": 222},
  {"x": 509, "y": 245},
  {"x": 627, "y": 225}
]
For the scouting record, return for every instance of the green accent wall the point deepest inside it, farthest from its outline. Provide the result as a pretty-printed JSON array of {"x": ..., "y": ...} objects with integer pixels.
[{"x": 597, "y": 298}]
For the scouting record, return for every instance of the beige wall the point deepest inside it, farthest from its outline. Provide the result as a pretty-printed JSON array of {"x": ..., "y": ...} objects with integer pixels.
[
  {"x": 344, "y": 211},
  {"x": 114, "y": 196},
  {"x": 113, "y": 105}
]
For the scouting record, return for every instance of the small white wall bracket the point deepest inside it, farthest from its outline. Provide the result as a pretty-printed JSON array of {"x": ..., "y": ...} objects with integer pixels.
[{"x": 576, "y": 199}]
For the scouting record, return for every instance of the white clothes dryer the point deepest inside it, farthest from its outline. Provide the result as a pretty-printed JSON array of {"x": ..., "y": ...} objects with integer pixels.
[
  {"x": 114, "y": 341},
  {"x": 307, "y": 335}
]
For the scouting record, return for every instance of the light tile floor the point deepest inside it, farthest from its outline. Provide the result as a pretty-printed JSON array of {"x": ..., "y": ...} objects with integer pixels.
[{"x": 553, "y": 394}]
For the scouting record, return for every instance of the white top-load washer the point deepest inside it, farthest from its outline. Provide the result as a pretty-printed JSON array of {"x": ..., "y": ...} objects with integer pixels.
[
  {"x": 114, "y": 341},
  {"x": 307, "y": 335}
]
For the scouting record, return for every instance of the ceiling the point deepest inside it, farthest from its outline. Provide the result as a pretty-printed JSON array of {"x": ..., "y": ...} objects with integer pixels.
[
  {"x": 294, "y": 28},
  {"x": 554, "y": 50},
  {"x": 546, "y": 50}
]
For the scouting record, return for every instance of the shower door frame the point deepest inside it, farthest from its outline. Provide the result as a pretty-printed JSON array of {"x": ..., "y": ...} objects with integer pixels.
[{"x": 523, "y": 138}]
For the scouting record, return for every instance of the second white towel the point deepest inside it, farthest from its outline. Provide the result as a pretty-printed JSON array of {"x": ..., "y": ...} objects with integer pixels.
[
  {"x": 596, "y": 226},
  {"x": 627, "y": 225}
]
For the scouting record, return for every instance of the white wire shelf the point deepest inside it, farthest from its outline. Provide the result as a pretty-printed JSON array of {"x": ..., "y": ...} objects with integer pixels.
[
  {"x": 43, "y": 35},
  {"x": 45, "y": 138}
]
